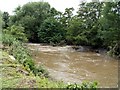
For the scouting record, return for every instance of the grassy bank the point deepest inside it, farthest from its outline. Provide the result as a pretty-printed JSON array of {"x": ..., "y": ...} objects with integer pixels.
[{"x": 15, "y": 75}]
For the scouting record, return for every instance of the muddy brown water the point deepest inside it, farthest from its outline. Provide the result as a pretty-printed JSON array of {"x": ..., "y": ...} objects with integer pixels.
[{"x": 68, "y": 65}]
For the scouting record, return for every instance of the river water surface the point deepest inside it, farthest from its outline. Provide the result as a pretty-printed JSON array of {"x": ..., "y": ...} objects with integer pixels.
[{"x": 68, "y": 65}]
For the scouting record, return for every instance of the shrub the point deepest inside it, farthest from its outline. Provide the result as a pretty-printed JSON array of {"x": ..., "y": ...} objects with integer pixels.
[
  {"x": 8, "y": 39},
  {"x": 84, "y": 86},
  {"x": 17, "y": 32},
  {"x": 22, "y": 54}
]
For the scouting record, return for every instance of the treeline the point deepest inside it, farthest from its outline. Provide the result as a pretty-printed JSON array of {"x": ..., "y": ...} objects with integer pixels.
[{"x": 96, "y": 24}]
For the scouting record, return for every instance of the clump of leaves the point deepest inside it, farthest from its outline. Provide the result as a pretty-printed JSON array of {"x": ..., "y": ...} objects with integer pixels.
[
  {"x": 40, "y": 71},
  {"x": 16, "y": 32},
  {"x": 7, "y": 39},
  {"x": 84, "y": 86}
]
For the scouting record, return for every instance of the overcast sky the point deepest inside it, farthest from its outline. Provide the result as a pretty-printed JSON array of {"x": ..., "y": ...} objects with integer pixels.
[{"x": 60, "y": 5}]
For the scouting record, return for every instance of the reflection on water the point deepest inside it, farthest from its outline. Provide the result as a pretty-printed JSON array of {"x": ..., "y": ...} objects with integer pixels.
[{"x": 65, "y": 64}]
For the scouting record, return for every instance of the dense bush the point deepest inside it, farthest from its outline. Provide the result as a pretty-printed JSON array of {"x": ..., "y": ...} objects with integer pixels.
[
  {"x": 51, "y": 31},
  {"x": 16, "y": 32},
  {"x": 17, "y": 49},
  {"x": 76, "y": 32},
  {"x": 8, "y": 39}
]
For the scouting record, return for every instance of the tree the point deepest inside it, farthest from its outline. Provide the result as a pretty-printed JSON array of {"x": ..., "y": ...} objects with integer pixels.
[
  {"x": 111, "y": 26},
  {"x": 67, "y": 16},
  {"x": 31, "y": 16},
  {"x": 90, "y": 14},
  {"x": 5, "y": 17},
  {"x": 75, "y": 33},
  {"x": 51, "y": 31},
  {"x": 83, "y": 29}
]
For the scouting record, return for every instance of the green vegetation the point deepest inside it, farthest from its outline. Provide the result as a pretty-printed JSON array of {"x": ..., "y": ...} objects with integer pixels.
[
  {"x": 111, "y": 27},
  {"x": 17, "y": 49},
  {"x": 15, "y": 75},
  {"x": 17, "y": 32},
  {"x": 51, "y": 31},
  {"x": 96, "y": 24}
]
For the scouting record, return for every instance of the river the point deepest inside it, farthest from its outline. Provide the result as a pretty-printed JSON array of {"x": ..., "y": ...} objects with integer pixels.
[{"x": 68, "y": 65}]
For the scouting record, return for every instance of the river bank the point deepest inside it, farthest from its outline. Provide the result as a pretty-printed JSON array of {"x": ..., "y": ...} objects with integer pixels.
[{"x": 15, "y": 75}]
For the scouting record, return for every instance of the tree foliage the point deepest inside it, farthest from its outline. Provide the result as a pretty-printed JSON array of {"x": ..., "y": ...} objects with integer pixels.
[
  {"x": 51, "y": 31},
  {"x": 17, "y": 32},
  {"x": 96, "y": 24},
  {"x": 31, "y": 16},
  {"x": 5, "y": 17},
  {"x": 111, "y": 26}
]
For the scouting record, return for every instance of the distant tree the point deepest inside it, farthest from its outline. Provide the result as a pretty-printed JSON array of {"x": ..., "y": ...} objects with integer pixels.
[
  {"x": 83, "y": 29},
  {"x": 110, "y": 21},
  {"x": 31, "y": 16},
  {"x": 5, "y": 17},
  {"x": 67, "y": 16},
  {"x": 75, "y": 34},
  {"x": 51, "y": 31}
]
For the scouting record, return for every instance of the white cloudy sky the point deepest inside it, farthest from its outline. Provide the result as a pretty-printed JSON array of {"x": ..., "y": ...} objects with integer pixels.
[{"x": 10, "y": 5}]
